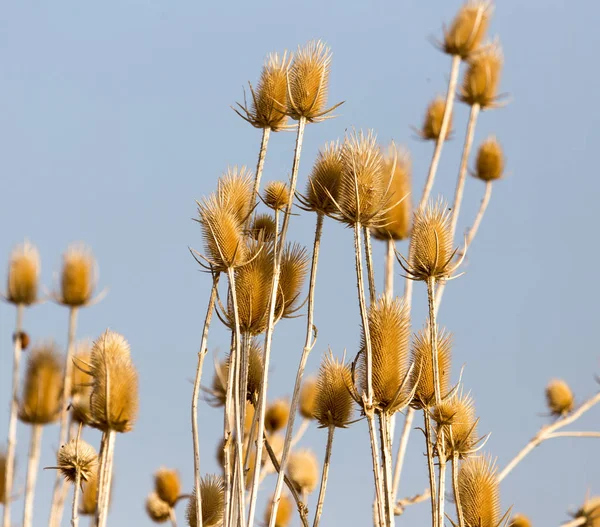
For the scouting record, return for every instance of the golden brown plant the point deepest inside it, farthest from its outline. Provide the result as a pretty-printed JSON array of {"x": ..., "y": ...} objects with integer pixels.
[
  {"x": 303, "y": 470},
  {"x": 468, "y": 29},
  {"x": 23, "y": 274},
  {"x": 490, "y": 160},
  {"x": 248, "y": 418},
  {"x": 276, "y": 195},
  {"x": 276, "y": 415},
  {"x": 432, "y": 123},
  {"x": 263, "y": 227},
  {"x": 590, "y": 512},
  {"x": 333, "y": 403},
  {"x": 77, "y": 456},
  {"x": 40, "y": 403},
  {"x": 308, "y": 398},
  {"x": 89, "y": 497},
  {"x": 218, "y": 389},
  {"x": 294, "y": 266},
  {"x": 285, "y": 511},
  {"x": 255, "y": 371},
  {"x": 78, "y": 276},
  {"x": 479, "y": 492},
  {"x": 158, "y": 510},
  {"x": 234, "y": 189},
  {"x": 456, "y": 422},
  {"x": 212, "y": 493},
  {"x": 80, "y": 407},
  {"x": 559, "y": 397},
  {"x": 519, "y": 520},
  {"x": 481, "y": 80},
  {"x": 167, "y": 485}
]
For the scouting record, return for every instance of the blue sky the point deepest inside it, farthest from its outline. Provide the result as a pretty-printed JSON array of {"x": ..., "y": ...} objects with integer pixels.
[{"x": 115, "y": 117}]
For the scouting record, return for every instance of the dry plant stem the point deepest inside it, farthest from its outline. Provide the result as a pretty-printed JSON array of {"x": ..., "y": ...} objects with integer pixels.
[
  {"x": 75, "y": 507},
  {"x": 196, "y": 394},
  {"x": 386, "y": 452},
  {"x": 262, "y": 154},
  {"x": 442, "y": 460},
  {"x": 59, "y": 491},
  {"x": 104, "y": 484},
  {"x": 12, "y": 421},
  {"x": 459, "y": 511},
  {"x": 574, "y": 523},
  {"x": 32, "y": 470},
  {"x": 271, "y": 327},
  {"x": 431, "y": 468},
  {"x": 433, "y": 337},
  {"x": 172, "y": 518},
  {"x": 324, "y": 476},
  {"x": 369, "y": 261},
  {"x": 408, "y": 419},
  {"x": 389, "y": 269},
  {"x": 412, "y": 500},
  {"x": 573, "y": 434},
  {"x": 308, "y": 346},
  {"x": 547, "y": 432}
]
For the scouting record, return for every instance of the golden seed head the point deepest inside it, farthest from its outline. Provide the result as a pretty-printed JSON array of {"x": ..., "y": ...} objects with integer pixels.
[
  {"x": 389, "y": 327},
  {"x": 591, "y": 512},
  {"x": 285, "y": 511},
  {"x": 235, "y": 188},
  {"x": 303, "y": 470},
  {"x": 78, "y": 277},
  {"x": 519, "y": 520},
  {"x": 114, "y": 400},
  {"x": 308, "y": 398},
  {"x": 42, "y": 390},
  {"x": 468, "y": 28},
  {"x": 490, "y": 160},
  {"x": 455, "y": 418},
  {"x": 255, "y": 370},
  {"x": 559, "y": 397},
  {"x": 263, "y": 227},
  {"x": 158, "y": 510},
  {"x": 89, "y": 496},
  {"x": 478, "y": 489},
  {"x": 432, "y": 124},
  {"x": 294, "y": 266},
  {"x": 218, "y": 391},
  {"x": 322, "y": 189},
  {"x": 2, "y": 477},
  {"x": 481, "y": 80},
  {"x": 363, "y": 187},
  {"x": 212, "y": 493},
  {"x": 422, "y": 373},
  {"x": 276, "y": 195},
  {"x": 396, "y": 219},
  {"x": 23, "y": 274},
  {"x": 277, "y": 414},
  {"x": 333, "y": 404},
  {"x": 80, "y": 378},
  {"x": 167, "y": 485},
  {"x": 431, "y": 243},
  {"x": 309, "y": 81},
  {"x": 77, "y": 456}
]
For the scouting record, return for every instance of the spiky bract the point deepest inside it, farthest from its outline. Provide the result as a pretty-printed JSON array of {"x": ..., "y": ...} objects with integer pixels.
[
  {"x": 234, "y": 189},
  {"x": 285, "y": 511},
  {"x": 456, "y": 422},
  {"x": 294, "y": 266},
  {"x": 263, "y": 227},
  {"x": 322, "y": 189},
  {"x": 212, "y": 492},
  {"x": 80, "y": 377},
  {"x": 478, "y": 489},
  {"x": 77, "y": 456},
  {"x": 333, "y": 404},
  {"x": 308, "y": 398},
  {"x": 482, "y": 78},
  {"x": 276, "y": 195},
  {"x": 519, "y": 520},
  {"x": 468, "y": 29},
  {"x": 432, "y": 123},
  {"x": 167, "y": 485},
  {"x": 277, "y": 414},
  {"x": 158, "y": 510},
  {"x": 42, "y": 390},
  {"x": 559, "y": 397},
  {"x": 89, "y": 496},
  {"x": 23, "y": 274},
  {"x": 490, "y": 160},
  {"x": 590, "y": 512},
  {"x": 303, "y": 470},
  {"x": 78, "y": 277}
]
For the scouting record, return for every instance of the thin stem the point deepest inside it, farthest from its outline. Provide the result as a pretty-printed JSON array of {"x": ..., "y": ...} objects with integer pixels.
[
  {"x": 196, "y": 394},
  {"x": 575, "y": 523},
  {"x": 173, "y": 518},
  {"x": 431, "y": 469},
  {"x": 433, "y": 337},
  {"x": 271, "y": 327},
  {"x": 389, "y": 269},
  {"x": 386, "y": 451},
  {"x": 32, "y": 470},
  {"x": 12, "y": 420},
  {"x": 369, "y": 262},
  {"x": 309, "y": 342},
  {"x": 410, "y": 414},
  {"x": 75, "y": 507},
  {"x": 324, "y": 476},
  {"x": 104, "y": 484},
  {"x": 262, "y": 154},
  {"x": 459, "y": 511},
  {"x": 59, "y": 491},
  {"x": 442, "y": 460},
  {"x": 573, "y": 434},
  {"x": 412, "y": 500}
]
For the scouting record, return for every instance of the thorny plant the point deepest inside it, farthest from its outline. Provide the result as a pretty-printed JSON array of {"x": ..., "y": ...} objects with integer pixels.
[{"x": 257, "y": 280}]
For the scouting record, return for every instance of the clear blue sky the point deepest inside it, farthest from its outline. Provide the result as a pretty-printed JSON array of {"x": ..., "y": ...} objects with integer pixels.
[{"x": 114, "y": 118}]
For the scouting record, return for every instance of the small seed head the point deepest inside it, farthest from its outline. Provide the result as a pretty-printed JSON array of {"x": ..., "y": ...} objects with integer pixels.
[
  {"x": 167, "y": 485},
  {"x": 432, "y": 124},
  {"x": 157, "y": 509},
  {"x": 79, "y": 274},
  {"x": 23, "y": 274},
  {"x": 263, "y": 227},
  {"x": 455, "y": 418},
  {"x": 333, "y": 405},
  {"x": 212, "y": 492},
  {"x": 490, "y": 160},
  {"x": 468, "y": 29},
  {"x": 559, "y": 397},
  {"x": 294, "y": 266},
  {"x": 276, "y": 416},
  {"x": 482, "y": 78},
  {"x": 322, "y": 189},
  {"x": 77, "y": 456},
  {"x": 308, "y": 398},
  {"x": 479, "y": 492},
  {"x": 277, "y": 195},
  {"x": 303, "y": 470},
  {"x": 519, "y": 520}
]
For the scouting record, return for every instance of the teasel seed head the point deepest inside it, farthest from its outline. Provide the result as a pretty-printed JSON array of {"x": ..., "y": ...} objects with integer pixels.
[
  {"x": 456, "y": 421},
  {"x": 276, "y": 195},
  {"x": 481, "y": 80},
  {"x": 519, "y": 520},
  {"x": 263, "y": 227},
  {"x": 234, "y": 189},
  {"x": 78, "y": 276},
  {"x": 432, "y": 124},
  {"x": 80, "y": 377},
  {"x": 89, "y": 496},
  {"x": 396, "y": 220},
  {"x": 322, "y": 189},
  {"x": 468, "y": 29},
  {"x": 77, "y": 456},
  {"x": 114, "y": 400},
  {"x": 303, "y": 470},
  {"x": 590, "y": 511},
  {"x": 158, "y": 510},
  {"x": 285, "y": 511},
  {"x": 422, "y": 373},
  {"x": 308, "y": 398},
  {"x": 212, "y": 492},
  {"x": 23, "y": 274},
  {"x": 167, "y": 485},
  {"x": 277, "y": 414},
  {"x": 42, "y": 389},
  {"x": 218, "y": 389},
  {"x": 333, "y": 403},
  {"x": 363, "y": 186},
  {"x": 389, "y": 327},
  {"x": 308, "y": 79},
  {"x": 478, "y": 489},
  {"x": 3, "y": 497},
  {"x": 294, "y": 266},
  {"x": 490, "y": 160},
  {"x": 559, "y": 397},
  {"x": 255, "y": 371}
]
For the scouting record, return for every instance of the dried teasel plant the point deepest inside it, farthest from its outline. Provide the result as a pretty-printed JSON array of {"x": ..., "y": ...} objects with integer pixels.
[
  {"x": 77, "y": 461},
  {"x": 589, "y": 514},
  {"x": 457, "y": 425},
  {"x": 158, "y": 510},
  {"x": 308, "y": 398},
  {"x": 303, "y": 470},
  {"x": 294, "y": 266},
  {"x": 489, "y": 165},
  {"x": 482, "y": 78},
  {"x": 78, "y": 276},
  {"x": 276, "y": 195},
  {"x": 263, "y": 227},
  {"x": 23, "y": 275},
  {"x": 89, "y": 496},
  {"x": 559, "y": 397},
  {"x": 431, "y": 129},
  {"x": 212, "y": 496},
  {"x": 167, "y": 485},
  {"x": 519, "y": 520},
  {"x": 234, "y": 188},
  {"x": 468, "y": 29},
  {"x": 276, "y": 415}
]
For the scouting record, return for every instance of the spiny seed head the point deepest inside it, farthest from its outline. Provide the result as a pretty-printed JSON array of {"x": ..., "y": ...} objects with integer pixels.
[
  {"x": 218, "y": 390},
  {"x": 277, "y": 414},
  {"x": 479, "y": 492},
  {"x": 519, "y": 520},
  {"x": 362, "y": 189},
  {"x": 481, "y": 80},
  {"x": 77, "y": 456},
  {"x": 89, "y": 496},
  {"x": 158, "y": 510},
  {"x": 294, "y": 266},
  {"x": 396, "y": 219},
  {"x": 2, "y": 477},
  {"x": 308, "y": 398},
  {"x": 389, "y": 328},
  {"x": 255, "y": 370},
  {"x": 303, "y": 470},
  {"x": 23, "y": 274},
  {"x": 309, "y": 81},
  {"x": 263, "y": 227},
  {"x": 432, "y": 123},
  {"x": 422, "y": 373},
  {"x": 431, "y": 243},
  {"x": 590, "y": 511},
  {"x": 490, "y": 160},
  {"x": 78, "y": 277},
  {"x": 322, "y": 189},
  {"x": 559, "y": 397},
  {"x": 114, "y": 399},
  {"x": 333, "y": 405},
  {"x": 455, "y": 418},
  {"x": 285, "y": 510},
  {"x": 80, "y": 378},
  {"x": 42, "y": 390},
  {"x": 212, "y": 493},
  {"x": 468, "y": 29},
  {"x": 167, "y": 485},
  {"x": 276, "y": 195},
  {"x": 235, "y": 189}
]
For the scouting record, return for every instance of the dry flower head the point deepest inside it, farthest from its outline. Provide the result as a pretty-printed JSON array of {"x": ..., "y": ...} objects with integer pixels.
[
  {"x": 457, "y": 424},
  {"x": 482, "y": 78},
  {"x": 489, "y": 165},
  {"x": 77, "y": 456},
  {"x": 263, "y": 227},
  {"x": 276, "y": 415},
  {"x": 167, "y": 485},
  {"x": 78, "y": 276},
  {"x": 432, "y": 123},
  {"x": 468, "y": 29},
  {"x": 478, "y": 489},
  {"x": 333, "y": 404},
  {"x": 235, "y": 188},
  {"x": 303, "y": 470},
  {"x": 212, "y": 493},
  {"x": 80, "y": 377},
  {"x": 276, "y": 195},
  {"x": 158, "y": 510},
  {"x": 294, "y": 266},
  {"x": 23, "y": 274},
  {"x": 559, "y": 397}
]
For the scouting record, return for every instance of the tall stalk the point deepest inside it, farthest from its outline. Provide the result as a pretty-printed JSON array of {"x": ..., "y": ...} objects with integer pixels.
[
  {"x": 442, "y": 460},
  {"x": 12, "y": 421},
  {"x": 431, "y": 470},
  {"x": 32, "y": 470},
  {"x": 262, "y": 154},
  {"x": 105, "y": 477},
  {"x": 389, "y": 268},
  {"x": 324, "y": 476},
  {"x": 459, "y": 511},
  {"x": 386, "y": 451},
  {"x": 369, "y": 262},
  {"x": 408, "y": 419},
  {"x": 433, "y": 338},
  {"x": 75, "y": 507}
]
